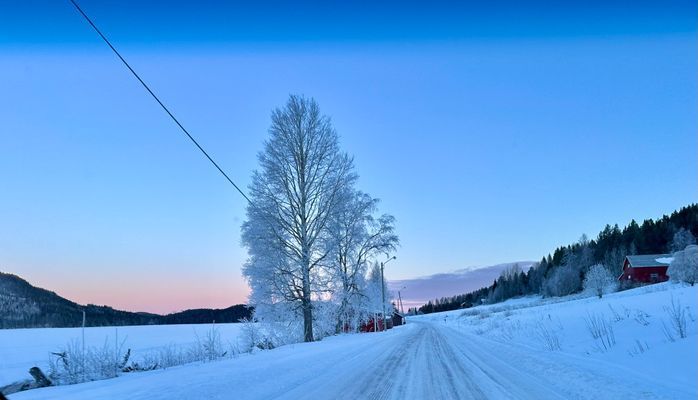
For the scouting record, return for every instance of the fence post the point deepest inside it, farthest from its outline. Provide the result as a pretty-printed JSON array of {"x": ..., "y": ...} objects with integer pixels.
[{"x": 83, "y": 345}]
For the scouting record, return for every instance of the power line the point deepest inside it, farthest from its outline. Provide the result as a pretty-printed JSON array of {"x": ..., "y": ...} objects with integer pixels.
[{"x": 145, "y": 85}]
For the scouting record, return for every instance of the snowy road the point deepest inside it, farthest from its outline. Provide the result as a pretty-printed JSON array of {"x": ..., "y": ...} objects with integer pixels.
[{"x": 422, "y": 360}]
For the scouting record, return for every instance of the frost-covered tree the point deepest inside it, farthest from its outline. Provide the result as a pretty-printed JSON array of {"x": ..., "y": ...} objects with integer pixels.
[
  {"x": 565, "y": 279},
  {"x": 632, "y": 249},
  {"x": 599, "y": 281},
  {"x": 613, "y": 260},
  {"x": 682, "y": 238},
  {"x": 372, "y": 304},
  {"x": 585, "y": 258},
  {"x": 509, "y": 284},
  {"x": 684, "y": 266},
  {"x": 298, "y": 186},
  {"x": 358, "y": 236}
]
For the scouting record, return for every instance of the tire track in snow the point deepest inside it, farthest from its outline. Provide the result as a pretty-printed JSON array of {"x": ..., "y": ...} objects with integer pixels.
[
  {"x": 423, "y": 365},
  {"x": 422, "y": 360}
]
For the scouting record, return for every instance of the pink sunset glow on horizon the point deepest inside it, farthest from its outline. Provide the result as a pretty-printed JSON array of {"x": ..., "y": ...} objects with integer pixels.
[{"x": 149, "y": 294}]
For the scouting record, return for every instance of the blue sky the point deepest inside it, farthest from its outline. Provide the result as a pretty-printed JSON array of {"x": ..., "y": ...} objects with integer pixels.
[{"x": 493, "y": 133}]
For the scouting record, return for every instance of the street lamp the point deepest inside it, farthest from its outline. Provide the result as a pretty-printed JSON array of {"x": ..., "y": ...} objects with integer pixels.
[{"x": 383, "y": 286}]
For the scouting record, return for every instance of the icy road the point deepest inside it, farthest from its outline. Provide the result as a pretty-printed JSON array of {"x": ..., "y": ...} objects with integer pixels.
[{"x": 422, "y": 360}]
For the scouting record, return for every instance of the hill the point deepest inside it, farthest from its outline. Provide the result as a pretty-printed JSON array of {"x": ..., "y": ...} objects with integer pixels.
[
  {"x": 562, "y": 272},
  {"x": 23, "y": 305},
  {"x": 422, "y": 289}
]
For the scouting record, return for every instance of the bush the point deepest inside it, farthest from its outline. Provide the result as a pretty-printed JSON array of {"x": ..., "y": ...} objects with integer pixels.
[
  {"x": 641, "y": 317},
  {"x": 638, "y": 348},
  {"x": 677, "y": 321},
  {"x": 209, "y": 347},
  {"x": 601, "y": 331},
  {"x": 684, "y": 266},
  {"x": 599, "y": 281},
  {"x": 548, "y": 335},
  {"x": 73, "y": 364}
]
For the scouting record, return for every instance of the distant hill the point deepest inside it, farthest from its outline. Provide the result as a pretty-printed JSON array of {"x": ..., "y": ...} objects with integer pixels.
[
  {"x": 562, "y": 272},
  {"x": 25, "y": 306},
  {"x": 420, "y": 290}
]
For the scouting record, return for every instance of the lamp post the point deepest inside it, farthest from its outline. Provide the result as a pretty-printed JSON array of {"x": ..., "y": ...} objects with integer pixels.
[{"x": 383, "y": 287}]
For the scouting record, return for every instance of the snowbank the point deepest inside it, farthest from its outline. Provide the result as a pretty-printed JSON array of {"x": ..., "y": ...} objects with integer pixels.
[{"x": 633, "y": 329}]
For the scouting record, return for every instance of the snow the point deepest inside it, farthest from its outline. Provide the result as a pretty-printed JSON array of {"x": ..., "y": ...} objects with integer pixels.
[
  {"x": 636, "y": 316},
  {"x": 21, "y": 349},
  {"x": 665, "y": 260},
  {"x": 493, "y": 351}
]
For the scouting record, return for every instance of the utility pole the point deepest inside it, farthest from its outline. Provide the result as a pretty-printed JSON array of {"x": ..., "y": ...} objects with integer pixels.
[
  {"x": 402, "y": 309},
  {"x": 383, "y": 287},
  {"x": 383, "y": 294}
]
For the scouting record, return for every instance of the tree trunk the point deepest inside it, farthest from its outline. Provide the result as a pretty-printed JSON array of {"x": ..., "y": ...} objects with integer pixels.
[
  {"x": 307, "y": 307},
  {"x": 307, "y": 321}
]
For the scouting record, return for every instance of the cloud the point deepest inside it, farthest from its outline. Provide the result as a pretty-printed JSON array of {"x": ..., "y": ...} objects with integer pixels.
[{"x": 417, "y": 291}]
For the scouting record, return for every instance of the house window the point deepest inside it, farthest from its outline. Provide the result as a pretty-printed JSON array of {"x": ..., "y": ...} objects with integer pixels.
[{"x": 654, "y": 277}]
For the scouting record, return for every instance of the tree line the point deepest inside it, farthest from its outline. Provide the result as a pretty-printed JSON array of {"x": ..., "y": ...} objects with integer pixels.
[
  {"x": 23, "y": 305},
  {"x": 563, "y": 272}
]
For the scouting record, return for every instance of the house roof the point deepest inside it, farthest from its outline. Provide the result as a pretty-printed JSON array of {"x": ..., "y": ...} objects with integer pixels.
[{"x": 648, "y": 260}]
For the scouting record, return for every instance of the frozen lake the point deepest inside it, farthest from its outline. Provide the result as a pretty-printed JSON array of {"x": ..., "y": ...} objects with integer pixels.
[{"x": 21, "y": 349}]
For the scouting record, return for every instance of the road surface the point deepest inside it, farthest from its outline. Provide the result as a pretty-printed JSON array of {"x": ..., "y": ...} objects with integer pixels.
[{"x": 422, "y": 360}]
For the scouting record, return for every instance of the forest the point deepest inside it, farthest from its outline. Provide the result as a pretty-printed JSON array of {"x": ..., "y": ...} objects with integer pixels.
[
  {"x": 563, "y": 271},
  {"x": 23, "y": 305}
]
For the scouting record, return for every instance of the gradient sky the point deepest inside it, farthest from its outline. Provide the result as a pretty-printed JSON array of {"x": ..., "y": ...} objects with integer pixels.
[{"x": 493, "y": 133}]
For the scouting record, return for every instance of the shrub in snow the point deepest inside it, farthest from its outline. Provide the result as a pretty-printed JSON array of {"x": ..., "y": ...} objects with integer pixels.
[
  {"x": 68, "y": 365},
  {"x": 638, "y": 348},
  {"x": 208, "y": 347},
  {"x": 549, "y": 335},
  {"x": 483, "y": 315},
  {"x": 508, "y": 330},
  {"x": 326, "y": 315},
  {"x": 599, "y": 281},
  {"x": 677, "y": 320},
  {"x": 684, "y": 266},
  {"x": 278, "y": 324},
  {"x": 75, "y": 364},
  {"x": 251, "y": 336},
  {"x": 162, "y": 357},
  {"x": 472, "y": 312},
  {"x": 601, "y": 331},
  {"x": 641, "y": 317},
  {"x": 617, "y": 317}
]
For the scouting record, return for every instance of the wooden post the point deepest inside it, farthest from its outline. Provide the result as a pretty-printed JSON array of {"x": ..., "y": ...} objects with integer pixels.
[
  {"x": 83, "y": 345},
  {"x": 116, "y": 351},
  {"x": 39, "y": 377}
]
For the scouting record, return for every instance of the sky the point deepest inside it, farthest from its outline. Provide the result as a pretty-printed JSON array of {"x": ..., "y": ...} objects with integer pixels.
[
  {"x": 493, "y": 133},
  {"x": 414, "y": 292}
]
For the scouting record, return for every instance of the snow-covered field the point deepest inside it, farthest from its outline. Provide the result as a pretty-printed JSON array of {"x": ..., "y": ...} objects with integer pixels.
[
  {"x": 635, "y": 341},
  {"x": 21, "y": 349},
  {"x": 528, "y": 348}
]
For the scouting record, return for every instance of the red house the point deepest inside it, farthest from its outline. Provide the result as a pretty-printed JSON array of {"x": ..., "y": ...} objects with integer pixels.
[
  {"x": 645, "y": 268},
  {"x": 371, "y": 325}
]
